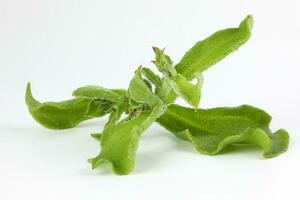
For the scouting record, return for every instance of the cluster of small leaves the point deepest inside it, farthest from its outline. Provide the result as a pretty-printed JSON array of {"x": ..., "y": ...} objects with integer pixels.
[{"x": 150, "y": 98}]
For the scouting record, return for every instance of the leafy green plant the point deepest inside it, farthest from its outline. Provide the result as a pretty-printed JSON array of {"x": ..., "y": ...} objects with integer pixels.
[{"x": 150, "y": 98}]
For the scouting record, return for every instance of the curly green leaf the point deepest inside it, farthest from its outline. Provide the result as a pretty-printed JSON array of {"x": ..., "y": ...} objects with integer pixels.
[
  {"x": 162, "y": 88},
  {"x": 212, "y": 130},
  {"x": 163, "y": 62},
  {"x": 139, "y": 91},
  {"x": 190, "y": 92},
  {"x": 119, "y": 141},
  {"x": 208, "y": 52},
  {"x": 65, "y": 114},
  {"x": 151, "y": 76}
]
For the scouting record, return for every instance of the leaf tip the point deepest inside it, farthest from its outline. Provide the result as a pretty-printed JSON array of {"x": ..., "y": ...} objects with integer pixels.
[
  {"x": 28, "y": 88},
  {"x": 280, "y": 143},
  {"x": 155, "y": 49},
  {"x": 74, "y": 93},
  {"x": 29, "y": 99},
  {"x": 158, "y": 52},
  {"x": 96, "y": 136},
  {"x": 247, "y": 23}
]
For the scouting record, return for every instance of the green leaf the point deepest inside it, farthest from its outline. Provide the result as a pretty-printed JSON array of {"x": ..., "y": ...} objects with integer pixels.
[
  {"x": 148, "y": 83},
  {"x": 212, "y": 130},
  {"x": 165, "y": 92},
  {"x": 208, "y": 52},
  {"x": 173, "y": 83},
  {"x": 139, "y": 91},
  {"x": 151, "y": 76},
  {"x": 65, "y": 114},
  {"x": 118, "y": 96},
  {"x": 190, "y": 92},
  {"x": 162, "y": 88},
  {"x": 117, "y": 112},
  {"x": 119, "y": 141},
  {"x": 163, "y": 62},
  {"x": 120, "y": 92},
  {"x": 97, "y": 136},
  {"x": 97, "y": 92}
]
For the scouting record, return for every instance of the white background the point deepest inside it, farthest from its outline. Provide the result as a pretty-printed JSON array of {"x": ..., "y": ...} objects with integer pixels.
[{"x": 59, "y": 45}]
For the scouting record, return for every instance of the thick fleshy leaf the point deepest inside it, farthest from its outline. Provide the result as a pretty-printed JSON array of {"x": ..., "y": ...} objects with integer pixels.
[
  {"x": 165, "y": 92},
  {"x": 118, "y": 96},
  {"x": 208, "y": 52},
  {"x": 114, "y": 116},
  {"x": 190, "y": 92},
  {"x": 117, "y": 112},
  {"x": 97, "y": 92},
  {"x": 163, "y": 89},
  {"x": 173, "y": 82},
  {"x": 65, "y": 114},
  {"x": 139, "y": 91},
  {"x": 119, "y": 141},
  {"x": 212, "y": 130},
  {"x": 148, "y": 84},
  {"x": 163, "y": 62},
  {"x": 151, "y": 76}
]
